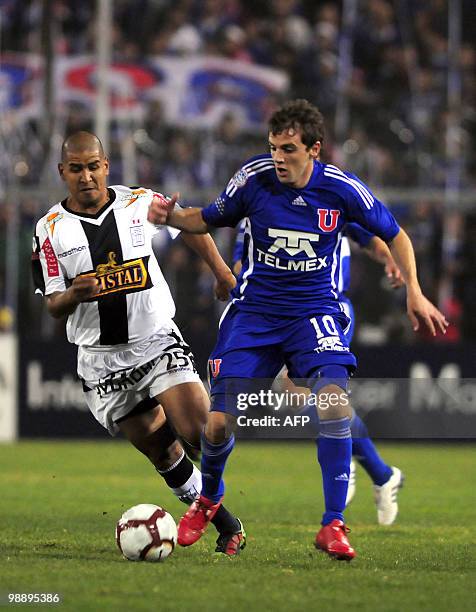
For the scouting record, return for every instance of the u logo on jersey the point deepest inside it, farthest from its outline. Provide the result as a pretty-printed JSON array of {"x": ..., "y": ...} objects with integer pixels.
[
  {"x": 214, "y": 367},
  {"x": 327, "y": 219}
]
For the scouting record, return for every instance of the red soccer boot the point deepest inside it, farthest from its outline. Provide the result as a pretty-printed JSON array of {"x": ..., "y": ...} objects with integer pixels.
[
  {"x": 332, "y": 539},
  {"x": 193, "y": 523}
]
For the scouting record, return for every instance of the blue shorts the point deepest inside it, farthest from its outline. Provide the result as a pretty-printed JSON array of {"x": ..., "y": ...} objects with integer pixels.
[
  {"x": 349, "y": 311},
  {"x": 256, "y": 346}
]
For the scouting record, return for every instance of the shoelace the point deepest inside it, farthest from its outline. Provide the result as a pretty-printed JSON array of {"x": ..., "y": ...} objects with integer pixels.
[{"x": 343, "y": 528}]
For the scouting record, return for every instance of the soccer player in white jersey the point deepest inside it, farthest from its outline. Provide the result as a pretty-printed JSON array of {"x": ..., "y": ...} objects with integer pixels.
[
  {"x": 285, "y": 308},
  {"x": 93, "y": 261}
]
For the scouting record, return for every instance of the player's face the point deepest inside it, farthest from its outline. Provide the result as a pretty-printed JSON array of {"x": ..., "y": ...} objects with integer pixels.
[
  {"x": 293, "y": 161},
  {"x": 85, "y": 174}
]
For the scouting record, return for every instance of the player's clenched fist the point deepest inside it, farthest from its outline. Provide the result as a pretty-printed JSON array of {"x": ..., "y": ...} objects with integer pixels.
[
  {"x": 224, "y": 285},
  {"x": 160, "y": 207},
  {"x": 83, "y": 288}
]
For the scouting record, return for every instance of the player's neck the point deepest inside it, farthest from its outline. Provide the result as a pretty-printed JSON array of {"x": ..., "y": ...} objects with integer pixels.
[{"x": 89, "y": 208}]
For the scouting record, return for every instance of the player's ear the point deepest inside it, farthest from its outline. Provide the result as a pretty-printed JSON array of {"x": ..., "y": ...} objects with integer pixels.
[
  {"x": 315, "y": 150},
  {"x": 106, "y": 166},
  {"x": 61, "y": 170}
]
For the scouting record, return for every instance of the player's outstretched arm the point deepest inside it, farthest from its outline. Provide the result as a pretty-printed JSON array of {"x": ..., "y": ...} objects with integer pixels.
[
  {"x": 205, "y": 246},
  {"x": 378, "y": 250},
  {"x": 418, "y": 306},
  {"x": 162, "y": 211},
  {"x": 82, "y": 289}
]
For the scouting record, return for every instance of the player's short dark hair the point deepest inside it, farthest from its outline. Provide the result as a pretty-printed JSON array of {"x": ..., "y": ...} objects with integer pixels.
[
  {"x": 80, "y": 140},
  {"x": 299, "y": 115}
]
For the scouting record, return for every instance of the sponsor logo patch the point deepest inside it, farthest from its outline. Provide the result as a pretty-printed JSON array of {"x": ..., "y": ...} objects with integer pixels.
[
  {"x": 292, "y": 242},
  {"x": 135, "y": 195},
  {"x": 299, "y": 201},
  {"x": 114, "y": 277},
  {"x": 52, "y": 266},
  {"x": 51, "y": 220},
  {"x": 72, "y": 251}
]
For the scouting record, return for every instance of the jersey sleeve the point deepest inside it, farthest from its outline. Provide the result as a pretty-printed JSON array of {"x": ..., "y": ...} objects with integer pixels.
[
  {"x": 239, "y": 244},
  {"x": 367, "y": 211},
  {"x": 229, "y": 208},
  {"x": 47, "y": 272},
  {"x": 358, "y": 234}
]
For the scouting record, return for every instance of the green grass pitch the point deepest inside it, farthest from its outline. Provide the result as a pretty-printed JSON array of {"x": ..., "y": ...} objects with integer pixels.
[{"x": 59, "y": 503}]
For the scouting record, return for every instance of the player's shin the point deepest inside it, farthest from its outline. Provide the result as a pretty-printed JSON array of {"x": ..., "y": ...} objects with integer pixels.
[
  {"x": 214, "y": 458},
  {"x": 334, "y": 455},
  {"x": 185, "y": 481},
  {"x": 366, "y": 454},
  {"x": 334, "y": 446},
  {"x": 217, "y": 444},
  {"x": 183, "y": 478}
]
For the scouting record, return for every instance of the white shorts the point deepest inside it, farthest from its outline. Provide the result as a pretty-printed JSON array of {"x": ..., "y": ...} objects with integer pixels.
[{"x": 115, "y": 381}]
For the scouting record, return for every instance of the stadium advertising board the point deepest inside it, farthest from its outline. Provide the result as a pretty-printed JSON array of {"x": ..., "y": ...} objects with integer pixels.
[
  {"x": 51, "y": 402},
  {"x": 8, "y": 387},
  {"x": 430, "y": 395}
]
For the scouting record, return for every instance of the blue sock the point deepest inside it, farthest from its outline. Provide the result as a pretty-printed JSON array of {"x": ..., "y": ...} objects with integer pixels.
[
  {"x": 366, "y": 454},
  {"x": 214, "y": 457},
  {"x": 334, "y": 452}
]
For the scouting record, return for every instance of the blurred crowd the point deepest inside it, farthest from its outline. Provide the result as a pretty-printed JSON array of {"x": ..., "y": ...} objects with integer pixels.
[
  {"x": 396, "y": 87},
  {"x": 400, "y": 130}
]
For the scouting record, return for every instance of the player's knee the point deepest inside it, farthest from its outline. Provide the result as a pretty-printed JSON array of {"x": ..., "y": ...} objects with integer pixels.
[
  {"x": 220, "y": 427},
  {"x": 333, "y": 403},
  {"x": 330, "y": 389},
  {"x": 191, "y": 429}
]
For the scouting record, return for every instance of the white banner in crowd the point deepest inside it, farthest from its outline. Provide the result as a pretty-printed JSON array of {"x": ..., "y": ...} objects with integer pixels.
[
  {"x": 8, "y": 387},
  {"x": 193, "y": 91}
]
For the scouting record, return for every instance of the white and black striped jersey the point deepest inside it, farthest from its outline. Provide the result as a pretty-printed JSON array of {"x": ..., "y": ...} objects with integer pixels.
[{"x": 115, "y": 246}]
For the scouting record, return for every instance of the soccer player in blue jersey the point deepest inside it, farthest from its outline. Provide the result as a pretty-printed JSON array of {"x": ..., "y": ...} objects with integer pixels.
[
  {"x": 387, "y": 480},
  {"x": 285, "y": 309}
]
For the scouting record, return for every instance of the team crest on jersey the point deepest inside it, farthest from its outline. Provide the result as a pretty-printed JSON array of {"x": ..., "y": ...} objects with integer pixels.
[
  {"x": 114, "y": 277},
  {"x": 51, "y": 220},
  {"x": 327, "y": 219},
  {"x": 214, "y": 366},
  {"x": 137, "y": 233},
  {"x": 240, "y": 178}
]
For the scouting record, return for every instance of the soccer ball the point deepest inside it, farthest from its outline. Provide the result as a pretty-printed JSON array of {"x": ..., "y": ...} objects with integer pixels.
[{"x": 146, "y": 533}]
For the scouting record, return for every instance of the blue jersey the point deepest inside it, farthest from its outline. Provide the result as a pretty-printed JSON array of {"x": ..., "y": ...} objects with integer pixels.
[
  {"x": 357, "y": 233},
  {"x": 362, "y": 237},
  {"x": 293, "y": 237}
]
